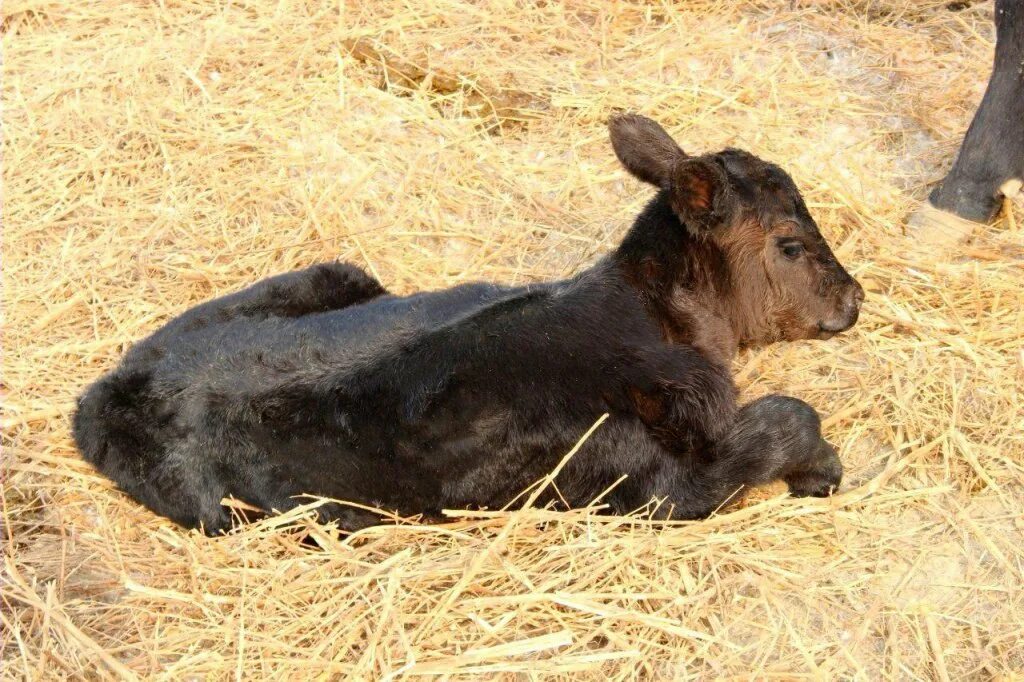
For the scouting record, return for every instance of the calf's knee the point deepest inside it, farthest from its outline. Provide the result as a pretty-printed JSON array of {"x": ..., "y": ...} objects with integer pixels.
[{"x": 787, "y": 416}]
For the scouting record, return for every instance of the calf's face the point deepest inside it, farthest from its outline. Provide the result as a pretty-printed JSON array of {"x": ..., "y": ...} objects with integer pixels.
[{"x": 782, "y": 281}]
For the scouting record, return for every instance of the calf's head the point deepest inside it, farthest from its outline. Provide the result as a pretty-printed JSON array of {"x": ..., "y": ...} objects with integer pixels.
[{"x": 745, "y": 220}]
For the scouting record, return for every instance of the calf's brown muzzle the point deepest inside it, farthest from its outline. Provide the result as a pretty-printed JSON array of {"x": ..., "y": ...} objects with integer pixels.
[{"x": 846, "y": 310}]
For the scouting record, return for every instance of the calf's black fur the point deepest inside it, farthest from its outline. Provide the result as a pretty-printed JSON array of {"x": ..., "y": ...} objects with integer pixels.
[{"x": 320, "y": 382}]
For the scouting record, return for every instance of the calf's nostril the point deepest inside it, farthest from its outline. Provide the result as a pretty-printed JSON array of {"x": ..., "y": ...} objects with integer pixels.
[{"x": 854, "y": 297}]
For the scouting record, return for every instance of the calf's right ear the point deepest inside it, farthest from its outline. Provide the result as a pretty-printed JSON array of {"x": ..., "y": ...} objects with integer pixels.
[
  {"x": 700, "y": 194},
  {"x": 644, "y": 148}
]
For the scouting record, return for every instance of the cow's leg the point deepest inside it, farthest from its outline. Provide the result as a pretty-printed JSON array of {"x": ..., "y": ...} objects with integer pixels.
[{"x": 990, "y": 163}]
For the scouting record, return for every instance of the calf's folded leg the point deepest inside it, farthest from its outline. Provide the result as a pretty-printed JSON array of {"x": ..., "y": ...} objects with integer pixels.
[
  {"x": 316, "y": 289},
  {"x": 773, "y": 438},
  {"x": 776, "y": 437}
]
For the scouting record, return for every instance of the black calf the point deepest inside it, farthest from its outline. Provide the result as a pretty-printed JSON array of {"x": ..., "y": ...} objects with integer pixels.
[{"x": 319, "y": 382}]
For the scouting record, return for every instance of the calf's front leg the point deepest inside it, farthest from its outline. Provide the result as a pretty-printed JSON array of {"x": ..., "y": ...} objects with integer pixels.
[
  {"x": 710, "y": 449},
  {"x": 773, "y": 438}
]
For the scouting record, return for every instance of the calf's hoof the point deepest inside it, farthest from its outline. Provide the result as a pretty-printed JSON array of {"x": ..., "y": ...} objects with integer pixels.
[{"x": 821, "y": 479}]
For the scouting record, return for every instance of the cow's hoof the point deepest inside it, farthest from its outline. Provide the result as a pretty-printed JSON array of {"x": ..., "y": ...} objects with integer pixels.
[
  {"x": 932, "y": 227},
  {"x": 1011, "y": 189}
]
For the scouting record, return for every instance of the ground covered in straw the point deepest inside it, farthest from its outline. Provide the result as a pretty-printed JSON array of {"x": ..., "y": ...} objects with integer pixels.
[{"x": 158, "y": 153}]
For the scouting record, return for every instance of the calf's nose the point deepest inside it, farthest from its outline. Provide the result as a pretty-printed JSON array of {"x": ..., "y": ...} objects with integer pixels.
[
  {"x": 852, "y": 298},
  {"x": 847, "y": 311}
]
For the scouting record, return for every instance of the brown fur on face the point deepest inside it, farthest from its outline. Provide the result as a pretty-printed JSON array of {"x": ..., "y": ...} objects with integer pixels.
[{"x": 738, "y": 259}]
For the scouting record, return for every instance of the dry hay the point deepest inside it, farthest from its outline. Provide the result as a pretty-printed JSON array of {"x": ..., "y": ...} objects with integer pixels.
[{"x": 159, "y": 153}]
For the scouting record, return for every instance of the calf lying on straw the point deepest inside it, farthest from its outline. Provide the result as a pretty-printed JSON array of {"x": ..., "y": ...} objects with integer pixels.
[{"x": 320, "y": 382}]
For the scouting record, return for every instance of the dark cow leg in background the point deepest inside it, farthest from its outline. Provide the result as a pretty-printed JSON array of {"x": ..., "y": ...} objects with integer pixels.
[
  {"x": 993, "y": 149},
  {"x": 990, "y": 163}
]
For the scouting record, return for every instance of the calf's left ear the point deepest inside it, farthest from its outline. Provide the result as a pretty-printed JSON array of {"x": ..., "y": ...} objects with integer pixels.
[{"x": 700, "y": 194}]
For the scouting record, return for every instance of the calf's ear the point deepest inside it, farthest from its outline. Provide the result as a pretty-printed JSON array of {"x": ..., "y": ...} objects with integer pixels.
[
  {"x": 644, "y": 148},
  {"x": 700, "y": 194}
]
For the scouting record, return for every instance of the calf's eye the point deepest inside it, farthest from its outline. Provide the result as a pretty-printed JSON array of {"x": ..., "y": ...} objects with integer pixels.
[{"x": 791, "y": 250}]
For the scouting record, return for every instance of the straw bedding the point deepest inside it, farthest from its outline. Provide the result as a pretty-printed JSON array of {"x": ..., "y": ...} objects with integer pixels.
[{"x": 159, "y": 153}]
